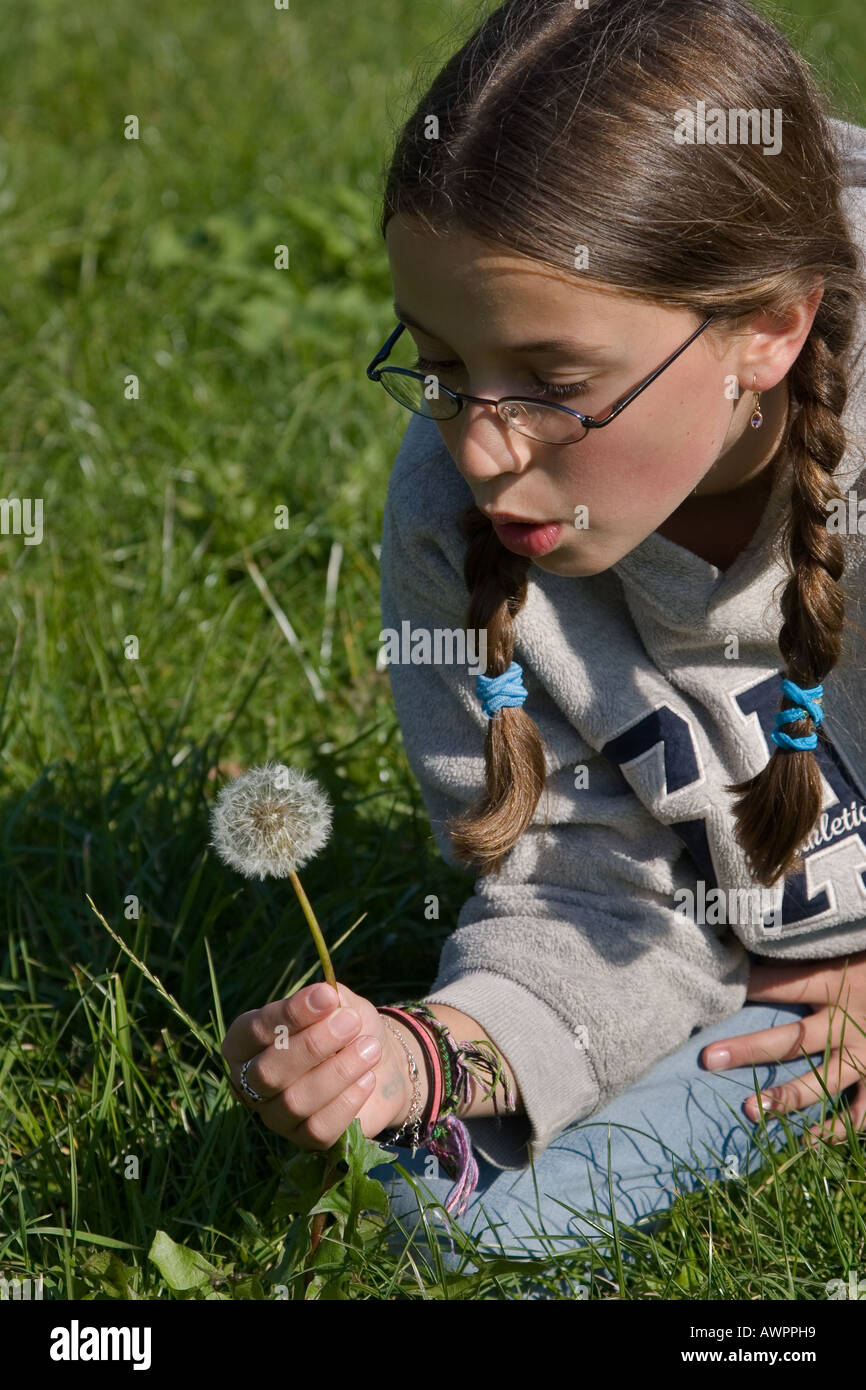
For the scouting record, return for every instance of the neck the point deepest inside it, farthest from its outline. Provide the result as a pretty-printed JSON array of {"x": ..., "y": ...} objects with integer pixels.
[{"x": 748, "y": 467}]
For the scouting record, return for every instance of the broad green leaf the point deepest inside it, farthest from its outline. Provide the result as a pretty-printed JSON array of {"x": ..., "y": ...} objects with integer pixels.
[
  {"x": 351, "y": 1191},
  {"x": 333, "y": 1293},
  {"x": 112, "y": 1274},
  {"x": 353, "y": 1147},
  {"x": 301, "y": 1183},
  {"x": 367, "y": 1194},
  {"x": 250, "y": 1288},
  {"x": 180, "y": 1268}
]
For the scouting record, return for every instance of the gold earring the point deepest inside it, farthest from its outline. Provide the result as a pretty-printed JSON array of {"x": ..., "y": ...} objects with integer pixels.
[{"x": 757, "y": 419}]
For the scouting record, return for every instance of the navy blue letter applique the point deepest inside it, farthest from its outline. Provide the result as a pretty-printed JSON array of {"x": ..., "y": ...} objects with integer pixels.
[{"x": 665, "y": 729}]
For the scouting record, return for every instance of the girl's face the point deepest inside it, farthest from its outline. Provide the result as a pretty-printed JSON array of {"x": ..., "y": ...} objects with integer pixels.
[{"x": 480, "y": 305}]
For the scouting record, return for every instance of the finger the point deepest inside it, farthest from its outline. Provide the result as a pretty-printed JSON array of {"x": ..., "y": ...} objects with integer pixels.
[
  {"x": 293, "y": 1055},
  {"x": 318, "y": 1089},
  {"x": 244, "y": 1100},
  {"x": 799, "y": 982},
  {"x": 787, "y": 1041},
  {"x": 323, "y": 1128},
  {"x": 779, "y": 1044},
  {"x": 836, "y": 1129},
  {"x": 803, "y": 1091},
  {"x": 258, "y": 1028}
]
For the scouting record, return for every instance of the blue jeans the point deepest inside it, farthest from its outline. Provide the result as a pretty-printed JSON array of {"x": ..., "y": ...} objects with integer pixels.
[{"x": 678, "y": 1117}]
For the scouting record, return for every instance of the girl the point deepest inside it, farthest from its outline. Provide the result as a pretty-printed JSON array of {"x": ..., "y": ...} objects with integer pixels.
[{"x": 626, "y": 245}]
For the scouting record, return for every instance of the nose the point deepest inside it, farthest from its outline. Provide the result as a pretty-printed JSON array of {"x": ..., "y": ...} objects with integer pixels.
[{"x": 483, "y": 445}]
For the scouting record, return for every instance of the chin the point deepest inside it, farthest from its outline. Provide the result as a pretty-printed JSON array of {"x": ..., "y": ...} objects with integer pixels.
[{"x": 573, "y": 566}]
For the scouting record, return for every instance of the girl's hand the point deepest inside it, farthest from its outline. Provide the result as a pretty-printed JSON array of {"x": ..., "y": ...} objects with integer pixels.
[
  {"x": 318, "y": 1065},
  {"x": 836, "y": 988}
]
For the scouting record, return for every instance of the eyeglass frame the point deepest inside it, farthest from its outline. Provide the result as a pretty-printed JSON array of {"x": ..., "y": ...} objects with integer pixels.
[{"x": 461, "y": 397}]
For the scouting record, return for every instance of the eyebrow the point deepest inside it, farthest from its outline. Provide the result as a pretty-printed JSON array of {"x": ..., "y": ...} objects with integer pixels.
[{"x": 541, "y": 345}]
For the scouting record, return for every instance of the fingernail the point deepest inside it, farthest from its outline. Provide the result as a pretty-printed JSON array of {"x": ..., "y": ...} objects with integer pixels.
[
  {"x": 322, "y": 998},
  {"x": 344, "y": 1023},
  {"x": 767, "y": 1102},
  {"x": 369, "y": 1049},
  {"x": 718, "y": 1057}
]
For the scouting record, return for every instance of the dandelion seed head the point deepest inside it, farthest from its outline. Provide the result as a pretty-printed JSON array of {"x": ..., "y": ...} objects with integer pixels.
[{"x": 270, "y": 821}]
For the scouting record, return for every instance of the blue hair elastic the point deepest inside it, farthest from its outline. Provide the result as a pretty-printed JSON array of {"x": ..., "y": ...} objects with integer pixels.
[
  {"x": 496, "y": 691},
  {"x": 808, "y": 700}
]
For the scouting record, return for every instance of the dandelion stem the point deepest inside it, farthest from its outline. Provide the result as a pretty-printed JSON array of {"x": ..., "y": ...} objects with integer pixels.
[{"x": 315, "y": 929}]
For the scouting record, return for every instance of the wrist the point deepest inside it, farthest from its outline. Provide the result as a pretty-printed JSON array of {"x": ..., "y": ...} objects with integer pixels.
[{"x": 410, "y": 1078}]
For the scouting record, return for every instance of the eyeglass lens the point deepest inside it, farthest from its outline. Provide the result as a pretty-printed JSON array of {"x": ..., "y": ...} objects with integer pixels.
[{"x": 533, "y": 418}]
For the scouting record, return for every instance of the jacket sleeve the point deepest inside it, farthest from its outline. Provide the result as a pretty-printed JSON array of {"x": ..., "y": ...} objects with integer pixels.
[{"x": 581, "y": 974}]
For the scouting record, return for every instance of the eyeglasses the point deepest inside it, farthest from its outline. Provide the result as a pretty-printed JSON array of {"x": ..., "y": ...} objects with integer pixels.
[{"x": 541, "y": 420}]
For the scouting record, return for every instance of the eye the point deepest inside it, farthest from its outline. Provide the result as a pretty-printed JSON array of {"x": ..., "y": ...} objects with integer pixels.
[
  {"x": 558, "y": 391},
  {"x": 562, "y": 391}
]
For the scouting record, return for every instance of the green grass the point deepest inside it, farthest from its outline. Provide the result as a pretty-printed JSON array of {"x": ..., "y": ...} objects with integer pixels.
[{"x": 153, "y": 259}]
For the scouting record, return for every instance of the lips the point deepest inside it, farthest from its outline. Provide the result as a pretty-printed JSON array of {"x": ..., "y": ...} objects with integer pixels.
[{"x": 533, "y": 540}]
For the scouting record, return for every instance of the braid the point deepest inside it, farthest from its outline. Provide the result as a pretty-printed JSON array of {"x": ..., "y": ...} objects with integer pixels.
[
  {"x": 563, "y": 91},
  {"x": 513, "y": 751},
  {"x": 779, "y": 807}
]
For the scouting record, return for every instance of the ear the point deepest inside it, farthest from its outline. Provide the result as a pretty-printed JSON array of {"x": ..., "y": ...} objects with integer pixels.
[{"x": 776, "y": 340}]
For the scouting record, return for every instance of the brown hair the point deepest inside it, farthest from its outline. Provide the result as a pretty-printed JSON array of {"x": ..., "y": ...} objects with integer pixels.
[{"x": 555, "y": 129}]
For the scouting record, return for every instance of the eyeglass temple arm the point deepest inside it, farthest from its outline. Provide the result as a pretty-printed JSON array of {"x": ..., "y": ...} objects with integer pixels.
[
  {"x": 621, "y": 404},
  {"x": 383, "y": 352}
]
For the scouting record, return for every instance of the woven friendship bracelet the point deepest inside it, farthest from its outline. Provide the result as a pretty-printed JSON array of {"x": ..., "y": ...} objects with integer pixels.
[
  {"x": 459, "y": 1063},
  {"x": 451, "y": 1072}
]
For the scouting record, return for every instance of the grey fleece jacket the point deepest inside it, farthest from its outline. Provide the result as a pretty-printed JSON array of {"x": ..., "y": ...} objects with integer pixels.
[{"x": 585, "y": 960}]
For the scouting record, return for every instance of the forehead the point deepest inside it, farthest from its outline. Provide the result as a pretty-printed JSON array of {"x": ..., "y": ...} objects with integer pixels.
[{"x": 457, "y": 280}]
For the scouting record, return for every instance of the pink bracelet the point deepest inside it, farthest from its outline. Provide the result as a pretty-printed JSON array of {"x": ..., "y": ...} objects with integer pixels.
[{"x": 434, "y": 1065}]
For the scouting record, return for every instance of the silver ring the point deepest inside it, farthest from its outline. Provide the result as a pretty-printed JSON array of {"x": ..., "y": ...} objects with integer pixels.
[{"x": 254, "y": 1095}]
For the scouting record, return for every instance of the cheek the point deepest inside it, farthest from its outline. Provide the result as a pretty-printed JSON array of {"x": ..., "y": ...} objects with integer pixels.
[
  {"x": 619, "y": 478},
  {"x": 633, "y": 469},
  {"x": 450, "y": 432}
]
